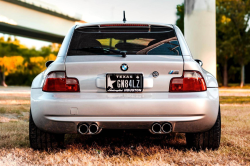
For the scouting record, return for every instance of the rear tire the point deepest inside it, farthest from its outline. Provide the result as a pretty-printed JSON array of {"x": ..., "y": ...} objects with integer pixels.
[
  {"x": 206, "y": 140},
  {"x": 43, "y": 140}
]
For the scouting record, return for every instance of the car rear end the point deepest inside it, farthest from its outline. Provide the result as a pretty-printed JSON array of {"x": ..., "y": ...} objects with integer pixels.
[{"x": 124, "y": 76}]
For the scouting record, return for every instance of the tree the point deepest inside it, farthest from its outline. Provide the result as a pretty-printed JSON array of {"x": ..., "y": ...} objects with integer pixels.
[
  {"x": 224, "y": 46},
  {"x": 233, "y": 34},
  {"x": 6, "y": 47},
  {"x": 180, "y": 17},
  {"x": 21, "y": 64}
]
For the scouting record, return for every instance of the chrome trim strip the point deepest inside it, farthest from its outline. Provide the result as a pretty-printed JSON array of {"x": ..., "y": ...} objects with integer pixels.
[{"x": 124, "y": 119}]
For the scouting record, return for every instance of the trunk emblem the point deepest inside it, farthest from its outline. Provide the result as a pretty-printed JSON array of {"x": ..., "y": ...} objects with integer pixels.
[
  {"x": 124, "y": 67},
  {"x": 155, "y": 74},
  {"x": 173, "y": 72}
]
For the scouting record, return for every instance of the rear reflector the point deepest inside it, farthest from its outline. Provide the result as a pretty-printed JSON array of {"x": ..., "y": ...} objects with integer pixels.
[
  {"x": 59, "y": 82},
  {"x": 191, "y": 81},
  {"x": 124, "y": 25}
]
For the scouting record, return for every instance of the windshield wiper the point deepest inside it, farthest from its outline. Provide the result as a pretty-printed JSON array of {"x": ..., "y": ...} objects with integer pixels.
[
  {"x": 96, "y": 49},
  {"x": 174, "y": 49}
]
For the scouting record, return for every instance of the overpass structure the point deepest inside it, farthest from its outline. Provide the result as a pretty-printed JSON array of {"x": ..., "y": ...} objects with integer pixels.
[{"x": 35, "y": 19}]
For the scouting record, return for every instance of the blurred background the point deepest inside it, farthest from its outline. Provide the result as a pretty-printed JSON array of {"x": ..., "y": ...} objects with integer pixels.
[{"x": 217, "y": 32}]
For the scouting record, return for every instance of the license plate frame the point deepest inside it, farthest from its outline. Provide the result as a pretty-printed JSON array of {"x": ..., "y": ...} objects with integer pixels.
[{"x": 119, "y": 86}]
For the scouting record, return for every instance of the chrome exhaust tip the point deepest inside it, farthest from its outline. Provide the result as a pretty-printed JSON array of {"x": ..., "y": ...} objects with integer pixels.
[
  {"x": 156, "y": 128},
  {"x": 166, "y": 128},
  {"x": 93, "y": 128},
  {"x": 83, "y": 129}
]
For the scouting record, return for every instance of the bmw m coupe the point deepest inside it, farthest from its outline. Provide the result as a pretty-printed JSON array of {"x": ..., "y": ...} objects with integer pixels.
[{"x": 124, "y": 75}]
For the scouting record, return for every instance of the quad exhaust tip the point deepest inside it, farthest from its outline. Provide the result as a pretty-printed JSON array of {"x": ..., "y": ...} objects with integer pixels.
[
  {"x": 156, "y": 128},
  {"x": 93, "y": 128},
  {"x": 88, "y": 129},
  {"x": 164, "y": 128},
  {"x": 83, "y": 129}
]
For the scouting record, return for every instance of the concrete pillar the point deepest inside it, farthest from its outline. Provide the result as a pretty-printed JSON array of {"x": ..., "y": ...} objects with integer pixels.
[{"x": 200, "y": 31}]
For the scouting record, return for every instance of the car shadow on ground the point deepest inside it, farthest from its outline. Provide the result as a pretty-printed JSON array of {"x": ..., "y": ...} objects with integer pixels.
[{"x": 132, "y": 142}]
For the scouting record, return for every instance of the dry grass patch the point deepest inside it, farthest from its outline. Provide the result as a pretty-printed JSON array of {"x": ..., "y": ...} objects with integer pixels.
[
  {"x": 131, "y": 148},
  {"x": 14, "y": 102},
  {"x": 234, "y": 93},
  {"x": 14, "y": 109},
  {"x": 236, "y": 86},
  {"x": 14, "y": 134},
  {"x": 234, "y": 100},
  {"x": 14, "y": 97}
]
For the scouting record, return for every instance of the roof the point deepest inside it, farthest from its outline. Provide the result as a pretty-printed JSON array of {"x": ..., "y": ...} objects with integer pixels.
[{"x": 121, "y": 22}]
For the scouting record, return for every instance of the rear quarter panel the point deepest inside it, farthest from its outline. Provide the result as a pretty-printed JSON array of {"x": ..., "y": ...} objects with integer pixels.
[
  {"x": 58, "y": 64},
  {"x": 191, "y": 64}
]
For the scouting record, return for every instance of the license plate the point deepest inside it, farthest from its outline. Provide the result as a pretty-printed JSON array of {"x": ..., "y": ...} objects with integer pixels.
[{"x": 124, "y": 82}]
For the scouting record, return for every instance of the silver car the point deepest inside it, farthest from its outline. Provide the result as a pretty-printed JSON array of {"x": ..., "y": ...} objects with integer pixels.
[{"x": 124, "y": 75}]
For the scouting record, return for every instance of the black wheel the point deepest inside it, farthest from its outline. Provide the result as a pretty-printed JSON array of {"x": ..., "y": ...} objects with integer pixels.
[
  {"x": 206, "y": 140},
  {"x": 43, "y": 140}
]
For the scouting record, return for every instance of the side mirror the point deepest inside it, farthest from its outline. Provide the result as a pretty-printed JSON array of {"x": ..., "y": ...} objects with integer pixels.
[
  {"x": 48, "y": 63},
  {"x": 199, "y": 62}
]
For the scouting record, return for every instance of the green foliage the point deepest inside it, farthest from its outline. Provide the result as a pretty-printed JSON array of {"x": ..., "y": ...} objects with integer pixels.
[
  {"x": 19, "y": 78},
  {"x": 233, "y": 73},
  {"x": 20, "y": 64},
  {"x": 180, "y": 16},
  {"x": 233, "y": 34}
]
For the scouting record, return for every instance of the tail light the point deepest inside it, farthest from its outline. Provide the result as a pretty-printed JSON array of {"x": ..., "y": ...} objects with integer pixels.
[
  {"x": 59, "y": 82},
  {"x": 191, "y": 81}
]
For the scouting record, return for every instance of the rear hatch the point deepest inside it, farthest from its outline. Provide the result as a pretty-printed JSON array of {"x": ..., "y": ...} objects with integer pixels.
[{"x": 124, "y": 58}]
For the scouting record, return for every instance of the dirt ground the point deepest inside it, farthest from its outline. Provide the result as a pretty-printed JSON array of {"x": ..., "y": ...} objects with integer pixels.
[{"x": 123, "y": 147}]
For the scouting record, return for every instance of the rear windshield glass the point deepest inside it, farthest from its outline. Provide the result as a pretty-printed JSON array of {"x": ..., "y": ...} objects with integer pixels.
[{"x": 132, "y": 41}]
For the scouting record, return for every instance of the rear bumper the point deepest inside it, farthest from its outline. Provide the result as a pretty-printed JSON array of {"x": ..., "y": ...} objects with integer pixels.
[{"x": 62, "y": 112}]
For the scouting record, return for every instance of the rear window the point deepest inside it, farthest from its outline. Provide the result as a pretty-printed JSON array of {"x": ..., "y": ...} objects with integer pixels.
[{"x": 154, "y": 40}]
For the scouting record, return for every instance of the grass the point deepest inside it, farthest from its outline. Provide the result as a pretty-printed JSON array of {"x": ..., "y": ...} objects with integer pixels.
[
  {"x": 14, "y": 109},
  {"x": 235, "y": 85},
  {"x": 132, "y": 148},
  {"x": 14, "y": 134},
  {"x": 128, "y": 147},
  {"x": 10, "y": 97},
  {"x": 234, "y": 100}
]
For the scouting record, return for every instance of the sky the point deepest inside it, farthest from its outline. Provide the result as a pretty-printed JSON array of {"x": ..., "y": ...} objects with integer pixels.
[{"x": 163, "y": 11}]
